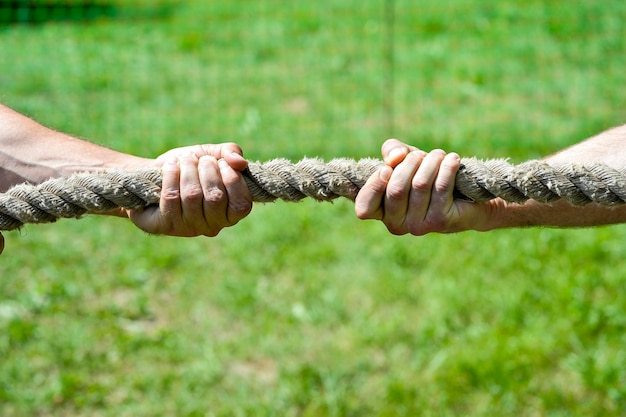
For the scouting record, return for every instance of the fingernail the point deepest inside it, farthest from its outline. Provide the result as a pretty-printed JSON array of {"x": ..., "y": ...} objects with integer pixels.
[{"x": 396, "y": 152}]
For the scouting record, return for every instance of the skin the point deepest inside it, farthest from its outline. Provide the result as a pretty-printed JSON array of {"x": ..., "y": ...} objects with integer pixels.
[
  {"x": 203, "y": 192},
  {"x": 413, "y": 193},
  {"x": 203, "y": 188}
]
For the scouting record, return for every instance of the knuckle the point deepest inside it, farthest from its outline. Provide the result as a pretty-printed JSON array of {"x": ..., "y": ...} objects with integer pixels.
[
  {"x": 213, "y": 231},
  {"x": 364, "y": 213},
  {"x": 416, "y": 228},
  {"x": 214, "y": 196},
  {"x": 443, "y": 185},
  {"x": 170, "y": 194},
  {"x": 361, "y": 212},
  {"x": 416, "y": 156},
  {"x": 240, "y": 208},
  {"x": 378, "y": 187},
  {"x": 396, "y": 192},
  {"x": 192, "y": 192},
  {"x": 172, "y": 229},
  {"x": 432, "y": 223},
  {"x": 420, "y": 184},
  {"x": 396, "y": 229},
  {"x": 449, "y": 164},
  {"x": 233, "y": 146}
]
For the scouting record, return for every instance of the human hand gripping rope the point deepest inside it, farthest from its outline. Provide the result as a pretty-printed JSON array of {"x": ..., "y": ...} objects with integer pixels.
[{"x": 200, "y": 189}]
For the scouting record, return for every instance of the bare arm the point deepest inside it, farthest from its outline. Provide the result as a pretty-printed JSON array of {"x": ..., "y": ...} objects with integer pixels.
[
  {"x": 608, "y": 147},
  {"x": 416, "y": 195},
  {"x": 34, "y": 153},
  {"x": 203, "y": 189}
]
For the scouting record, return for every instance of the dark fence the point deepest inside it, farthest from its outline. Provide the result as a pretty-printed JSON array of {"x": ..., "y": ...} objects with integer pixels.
[{"x": 41, "y": 11}]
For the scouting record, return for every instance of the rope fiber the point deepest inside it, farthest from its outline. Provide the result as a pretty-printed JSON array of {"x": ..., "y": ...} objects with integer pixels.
[{"x": 478, "y": 181}]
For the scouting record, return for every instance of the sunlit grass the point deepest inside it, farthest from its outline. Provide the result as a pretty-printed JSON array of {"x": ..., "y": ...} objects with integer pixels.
[{"x": 302, "y": 309}]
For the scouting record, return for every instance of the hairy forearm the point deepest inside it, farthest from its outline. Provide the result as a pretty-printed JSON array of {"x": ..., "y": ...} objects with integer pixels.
[
  {"x": 559, "y": 214},
  {"x": 34, "y": 153},
  {"x": 608, "y": 148}
]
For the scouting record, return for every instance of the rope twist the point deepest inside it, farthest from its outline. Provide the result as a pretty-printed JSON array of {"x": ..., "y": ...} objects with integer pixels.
[{"x": 479, "y": 181}]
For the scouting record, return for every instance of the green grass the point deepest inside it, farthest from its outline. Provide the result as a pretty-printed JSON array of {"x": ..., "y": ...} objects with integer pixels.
[{"x": 301, "y": 309}]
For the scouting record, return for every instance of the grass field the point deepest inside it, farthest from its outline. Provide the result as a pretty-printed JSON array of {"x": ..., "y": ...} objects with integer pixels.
[{"x": 302, "y": 309}]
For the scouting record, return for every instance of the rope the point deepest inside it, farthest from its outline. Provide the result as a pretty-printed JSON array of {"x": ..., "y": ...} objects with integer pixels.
[{"x": 478, "y": 181}]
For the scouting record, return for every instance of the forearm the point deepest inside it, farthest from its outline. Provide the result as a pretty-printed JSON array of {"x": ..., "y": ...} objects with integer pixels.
[
  {"x": 608, "y": 148},
  {"x": 34, "y": 153},
  {"x": 559, "y": 214},
  {"x": 203, "y": 188}
]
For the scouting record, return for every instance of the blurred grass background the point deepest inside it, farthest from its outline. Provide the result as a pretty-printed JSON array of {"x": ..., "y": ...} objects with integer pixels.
[{"x": 301, "y": 309}]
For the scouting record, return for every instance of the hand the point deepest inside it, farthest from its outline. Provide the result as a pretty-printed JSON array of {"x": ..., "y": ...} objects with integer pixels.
[
  {"x": 414, "y": 194},
  {"x": 203, "y": 192}
]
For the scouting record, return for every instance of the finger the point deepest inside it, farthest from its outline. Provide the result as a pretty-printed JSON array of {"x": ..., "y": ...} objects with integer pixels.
[
  {"x": 169, "y": 203},
  {"x": 369, "y": 201},
  {"x": 421, "y": 188},
  {"x": 191, "y": 194},
  {"x": 214, "y": 205},
  {"x": 443, "y": 190},
  {"x": 398, "y": 191},
  {"x": 1, "y": 243},
  {"x": 222, "y": 150},
  {"x": 239, "y": 198},
  {"x": 228, "y": 148},
  {"x": 395, "y": 151},
  {"x": 236, "y": 161}
]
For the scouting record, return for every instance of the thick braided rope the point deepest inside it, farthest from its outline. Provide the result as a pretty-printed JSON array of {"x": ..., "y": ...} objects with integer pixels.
[
  {"x": 479, "y": 181},
  {"x": 540, "y": 181}
]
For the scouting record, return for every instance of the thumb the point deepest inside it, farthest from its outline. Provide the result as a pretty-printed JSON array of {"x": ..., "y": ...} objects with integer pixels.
[{"x": 1, "y": 243}]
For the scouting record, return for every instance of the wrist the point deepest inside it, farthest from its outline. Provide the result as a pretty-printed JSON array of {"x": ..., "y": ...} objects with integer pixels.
[
  {"x": 501, "y": 214},
  {"x": 103, "y": 159}
]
